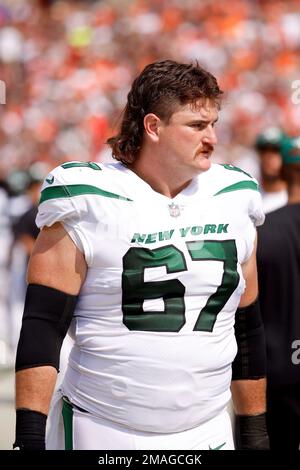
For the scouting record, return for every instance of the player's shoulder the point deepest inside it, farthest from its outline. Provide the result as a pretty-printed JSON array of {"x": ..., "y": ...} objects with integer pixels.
[
  {"x": 229, "y": 178},
  {"x": 233, "y": 173},
  {"x": 83, "y": 178},
  {"x": 73, "y": 172},
  {"x": 77, "y": 172},
  {"x": 234, "y": 185}
]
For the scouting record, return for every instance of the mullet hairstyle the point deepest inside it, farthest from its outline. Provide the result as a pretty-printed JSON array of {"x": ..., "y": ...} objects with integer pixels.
[{"x": 160, "y": 89}]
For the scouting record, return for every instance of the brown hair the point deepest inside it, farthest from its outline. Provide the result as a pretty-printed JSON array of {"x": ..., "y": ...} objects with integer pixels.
[{"x": 160, "y": 88}]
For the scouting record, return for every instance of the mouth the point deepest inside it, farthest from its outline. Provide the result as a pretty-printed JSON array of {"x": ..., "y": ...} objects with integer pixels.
[{"x": 205, "y": 153}]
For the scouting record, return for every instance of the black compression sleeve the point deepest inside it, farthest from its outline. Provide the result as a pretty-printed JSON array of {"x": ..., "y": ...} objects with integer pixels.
[
  {"x": 47, "y": 315},
  {"x": 251, "y": 432},
  {"x": 250, "y": 361},
  {"x": 30, "y": 430}
]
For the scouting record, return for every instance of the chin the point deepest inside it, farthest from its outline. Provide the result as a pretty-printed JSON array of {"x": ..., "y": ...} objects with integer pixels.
[{"x": 204, "y": 164}]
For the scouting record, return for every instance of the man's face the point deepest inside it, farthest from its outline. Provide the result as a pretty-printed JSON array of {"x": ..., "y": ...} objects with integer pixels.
[
  {"x": 187, "y": 140},
  {"x": 270, "y": 164}
]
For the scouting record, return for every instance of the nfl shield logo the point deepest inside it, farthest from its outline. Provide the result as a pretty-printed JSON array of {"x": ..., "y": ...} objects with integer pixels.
[{"x": 174, "y": 210}]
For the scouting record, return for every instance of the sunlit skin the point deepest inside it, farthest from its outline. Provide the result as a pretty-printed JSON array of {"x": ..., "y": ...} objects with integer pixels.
[{"x": 174, "y": 152}]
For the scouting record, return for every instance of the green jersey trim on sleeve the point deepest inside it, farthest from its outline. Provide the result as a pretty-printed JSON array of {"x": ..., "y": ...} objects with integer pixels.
[
  {"x": 228, "y": 166},
  {"x": 238, "y": 186},
  {"x": 56, "y": 192},
  {"x": 92, "y": 165}
]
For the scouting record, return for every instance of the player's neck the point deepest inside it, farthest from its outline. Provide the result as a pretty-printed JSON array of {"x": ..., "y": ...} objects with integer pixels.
[{"x": 165, "y": 181}]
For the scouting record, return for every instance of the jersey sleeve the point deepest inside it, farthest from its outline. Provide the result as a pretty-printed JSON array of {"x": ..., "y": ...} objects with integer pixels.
[
  {"x": 245, "y": 196},
  {"x": 57, "y": 205},
  {"x": 256, "y": 216},
  {"x": 256, "y": 212}
]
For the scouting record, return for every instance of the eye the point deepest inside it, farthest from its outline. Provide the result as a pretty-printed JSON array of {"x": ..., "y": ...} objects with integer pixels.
[{"x": 199, "y": 126}]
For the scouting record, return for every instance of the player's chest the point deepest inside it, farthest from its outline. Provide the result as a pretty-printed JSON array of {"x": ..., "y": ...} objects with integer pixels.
[{"x": 149, "y": 227}]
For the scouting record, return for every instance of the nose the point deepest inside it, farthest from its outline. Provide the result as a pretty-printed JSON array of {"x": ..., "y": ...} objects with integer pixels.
[{"x": 210, "y": 136}]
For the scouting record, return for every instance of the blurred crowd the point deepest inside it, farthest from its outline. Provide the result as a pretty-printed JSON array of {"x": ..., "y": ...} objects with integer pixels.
[{"x": 67, "y": 67}]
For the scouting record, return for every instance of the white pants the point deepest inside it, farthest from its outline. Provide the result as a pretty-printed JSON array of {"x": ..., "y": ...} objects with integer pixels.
[{"x": 82, "y": 431}]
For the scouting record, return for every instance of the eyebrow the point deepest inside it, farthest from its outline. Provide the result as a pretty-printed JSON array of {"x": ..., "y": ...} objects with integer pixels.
[{"x": 202, "y": 121}]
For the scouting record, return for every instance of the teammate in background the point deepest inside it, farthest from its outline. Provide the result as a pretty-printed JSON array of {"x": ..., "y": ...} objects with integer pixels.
[
  {"x": 148, "y": 259},
  {"x": 273, "y": 187},
  {"x": 279, "y": 280}
]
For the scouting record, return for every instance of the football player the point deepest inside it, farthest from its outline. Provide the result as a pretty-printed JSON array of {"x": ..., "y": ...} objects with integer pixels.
[{"x": 149, "y": 261}]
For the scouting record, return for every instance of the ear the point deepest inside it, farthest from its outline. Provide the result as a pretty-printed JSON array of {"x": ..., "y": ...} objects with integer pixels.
[{"x": 151, "y": 125}]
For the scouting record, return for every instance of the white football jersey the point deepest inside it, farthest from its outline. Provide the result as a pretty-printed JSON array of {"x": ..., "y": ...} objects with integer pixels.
[{"x": 154, "y": 323}]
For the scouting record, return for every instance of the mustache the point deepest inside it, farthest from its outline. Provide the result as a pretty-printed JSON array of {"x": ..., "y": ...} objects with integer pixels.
[{"x": 207, "y": 148}]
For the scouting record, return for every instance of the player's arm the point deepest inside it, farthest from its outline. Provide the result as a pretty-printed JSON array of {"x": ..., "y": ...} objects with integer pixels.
[
  {"x": 56, "y": 272},
  {"x": 249, "y": 367}
]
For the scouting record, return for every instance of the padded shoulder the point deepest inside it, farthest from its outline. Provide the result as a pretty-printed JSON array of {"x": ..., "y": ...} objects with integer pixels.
[
  {"x": 242, "y": 188},
  {"x": 71, "y": 173},
  {"x": 66, "y": 180},
  {"x": 232, "y": 174}
]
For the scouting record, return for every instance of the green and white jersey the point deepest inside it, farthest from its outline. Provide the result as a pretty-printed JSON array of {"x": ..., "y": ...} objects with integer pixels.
[{"x": 154, "y": 324}]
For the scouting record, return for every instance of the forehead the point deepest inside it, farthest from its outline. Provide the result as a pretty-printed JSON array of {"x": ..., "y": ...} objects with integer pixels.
[{"x": 204, "y": 110}]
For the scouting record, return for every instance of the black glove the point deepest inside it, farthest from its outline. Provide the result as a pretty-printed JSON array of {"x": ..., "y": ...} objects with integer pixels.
[
  {"x": 251, "y": 433},
  {"x": 30, "y": 430}
]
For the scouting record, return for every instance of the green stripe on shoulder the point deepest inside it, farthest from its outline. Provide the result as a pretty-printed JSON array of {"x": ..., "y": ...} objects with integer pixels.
[
  {"x": 238, "y": 186},
  {"x": 228, "y": 166},
  {"x": 56, "y": 192},
  {"x": 92, "y": 165}
]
